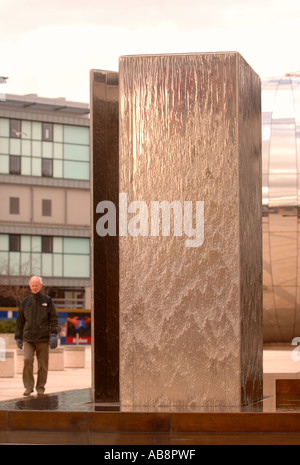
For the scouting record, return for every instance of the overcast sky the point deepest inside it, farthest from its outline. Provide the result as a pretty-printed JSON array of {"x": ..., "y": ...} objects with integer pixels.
[{"x": 49, "y": 46}]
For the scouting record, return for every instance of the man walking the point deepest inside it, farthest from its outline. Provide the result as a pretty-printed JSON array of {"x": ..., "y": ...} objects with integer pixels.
[{"x": 37, "y": 327}]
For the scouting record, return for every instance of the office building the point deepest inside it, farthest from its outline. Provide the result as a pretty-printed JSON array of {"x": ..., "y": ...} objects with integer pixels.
[{"x": 45, "y": 198}]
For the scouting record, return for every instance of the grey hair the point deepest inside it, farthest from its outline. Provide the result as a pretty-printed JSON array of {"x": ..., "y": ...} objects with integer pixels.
[{"x": 36, "y": 277}]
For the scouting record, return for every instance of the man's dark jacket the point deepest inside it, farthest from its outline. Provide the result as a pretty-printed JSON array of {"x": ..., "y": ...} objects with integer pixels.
[{"x": 37, "y": 319}]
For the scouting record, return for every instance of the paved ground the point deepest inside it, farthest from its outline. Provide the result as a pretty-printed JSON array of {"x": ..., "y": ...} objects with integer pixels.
[
  {"x": 280, "y": 361},
  {"x": 68, "y": 379}
]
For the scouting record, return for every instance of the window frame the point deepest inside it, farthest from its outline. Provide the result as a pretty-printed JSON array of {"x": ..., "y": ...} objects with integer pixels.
[
  {"x": 14, "y": 205},
  {"x": 14, "y": 160},
  {"x": 47, "y": 127},
  {"x": 47, "y": 207},
  {"x": 47, "y": 244},
  {"x": 46, "y": 172},
  {"x": 15, "y": 129},
  {"x": 14, "y": 243}
]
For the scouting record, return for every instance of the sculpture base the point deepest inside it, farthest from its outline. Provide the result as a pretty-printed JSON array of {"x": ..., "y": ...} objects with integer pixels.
[{"x": 71, "y": 418}]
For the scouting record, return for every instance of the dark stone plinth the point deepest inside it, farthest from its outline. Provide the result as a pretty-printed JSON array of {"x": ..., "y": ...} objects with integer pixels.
[{"x": 105, "y": 250}]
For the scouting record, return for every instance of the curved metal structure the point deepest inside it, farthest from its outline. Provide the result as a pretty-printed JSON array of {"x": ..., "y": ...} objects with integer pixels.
[{"x": 281, "y": 213}]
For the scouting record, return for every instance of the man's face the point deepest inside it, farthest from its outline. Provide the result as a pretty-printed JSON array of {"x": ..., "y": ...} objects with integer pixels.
[{"x": 35, "y": 286}]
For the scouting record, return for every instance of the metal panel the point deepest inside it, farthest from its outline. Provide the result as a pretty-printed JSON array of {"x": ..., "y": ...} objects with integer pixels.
[
  {"x": 105, "y": 253},
  {"x": 190, "y": 318},
  {"x": 281, "y": 210}
]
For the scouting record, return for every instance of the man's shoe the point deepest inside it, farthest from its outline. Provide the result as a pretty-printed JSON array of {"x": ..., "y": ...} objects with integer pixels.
[
  {"x": 27, "y": 392},
  {"x": 40, "y": 392}
]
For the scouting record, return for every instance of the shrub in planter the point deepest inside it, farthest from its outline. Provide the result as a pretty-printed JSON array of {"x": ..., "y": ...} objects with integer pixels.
[{"x": 7, "y": 326}]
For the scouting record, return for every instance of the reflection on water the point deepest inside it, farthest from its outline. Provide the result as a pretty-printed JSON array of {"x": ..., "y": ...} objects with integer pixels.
[
  {"x": 78, "y": 399},
  {"x": 44, "y": 402}
]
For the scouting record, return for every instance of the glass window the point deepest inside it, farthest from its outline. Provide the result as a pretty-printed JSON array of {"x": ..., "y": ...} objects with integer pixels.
[
  {"x": 26, "y": 166},
  {"x": 76, "y": 135},
  {"x": 47, "y": 131},
  {"x": 266, "y": 133},
  {"x": 4, "y": 263},
  {"x": 283, "y": 149},
  {"x": 57, "y": 168},
  {"x": 57, "y": 265},
  {"x": 44, "y": 257},
  {"x": 4, "y": 145},
  {"x": 25, "y": 264},
  {"x": 14, "y": 205},
  {"x": 15, "y": 146},
  {"x": 36, "y": 169},
  {"x": 284, "y": 260},
  {"x": 283, "y": 203},
  {"x": 76, "y": 170},
  {"x": 36, "y": 149},
  {"x": 26, "y": 129},
  {"x": 47, "y": 149},
  {"x": 58, "y": 133},
  {"x": 26, "y": 147},
  {"x": 14, "y": 164},
  {"x": 76, "y": 152},
  {"x": 4, "y": 127},
  {"x": 47, "y": 167},
  {"x": 36, "y": 264},
  {"x": 265, "y": 193},
  {"x": 15, "y": 128},
  {"x": 297, "y": 103},
  {"x": 68, "y": 145},
  {"x": 14, "y": 242},
  {"x": 25, "y": 243},
  {"x": 57, "y": 150},
  {"x": 282, "y": 190},
  {"x": 4, "y": 164},
  {"x": 298, "y": 147},
  {"x": 14, "y": 263},
  {"x": 47, "y": 244},
  {"x": 76, "y": 266},
  {"x": 36, "y": 130},
  {"x": 46, "y": 207},
  {"x": 4, "y": 242},
  {"x": 36, "y": 243},
  {"x": 77, "y": 245},
  {"x": 57, "y": 244},
  {"x": 46, "y": 264}
]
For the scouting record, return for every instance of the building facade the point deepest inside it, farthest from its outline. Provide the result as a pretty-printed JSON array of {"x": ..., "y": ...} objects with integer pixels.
[{"x": 45, "y": 197}]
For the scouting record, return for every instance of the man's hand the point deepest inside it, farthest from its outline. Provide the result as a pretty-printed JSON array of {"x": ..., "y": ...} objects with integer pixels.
[
  {"x": 53, "y": 341},
  {"x": 19, "y": 343}
]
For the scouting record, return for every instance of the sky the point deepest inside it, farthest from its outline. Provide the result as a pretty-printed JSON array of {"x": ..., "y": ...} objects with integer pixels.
[{"x": 48, "y": 47}]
